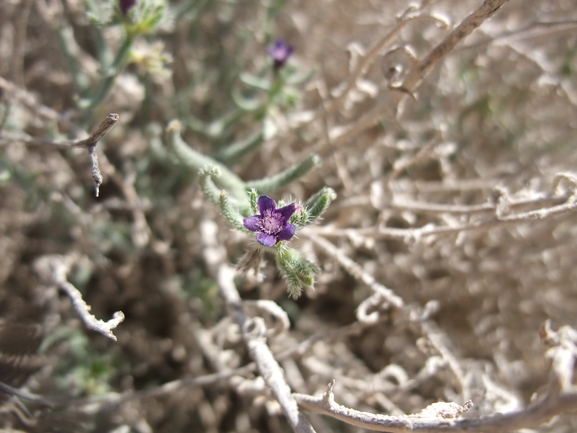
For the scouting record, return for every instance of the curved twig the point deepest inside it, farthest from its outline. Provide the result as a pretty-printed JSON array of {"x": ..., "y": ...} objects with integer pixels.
[{"x": 55, "y": 269}]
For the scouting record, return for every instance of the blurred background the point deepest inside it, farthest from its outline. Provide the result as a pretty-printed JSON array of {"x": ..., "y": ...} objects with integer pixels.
[{"x": 453, "y": 190}]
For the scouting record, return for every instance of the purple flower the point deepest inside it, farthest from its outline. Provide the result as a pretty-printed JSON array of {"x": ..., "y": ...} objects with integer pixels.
[
  {"x": 280, "y": 52},
  {"x": 272, "y": 224},
  {"x": 126, "y": 5}
]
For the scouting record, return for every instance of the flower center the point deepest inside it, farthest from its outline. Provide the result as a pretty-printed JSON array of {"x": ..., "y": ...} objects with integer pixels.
[{"x": 271, "y": 222}]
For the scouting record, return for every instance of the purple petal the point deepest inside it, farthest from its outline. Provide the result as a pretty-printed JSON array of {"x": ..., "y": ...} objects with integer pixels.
[
  {"x": 126, "y": 5},
  {"x": 271, "y": 51},
  {"x": 253, "y": 223},
  {"x": 280, "y": 52},
  {"x": 287, "y": 232},
  {"x": 287, "y": 211},
  {"x": 278, "y": 49},
  {"x": 265, "y": 203},
  {"x": 266, "y": 240}
]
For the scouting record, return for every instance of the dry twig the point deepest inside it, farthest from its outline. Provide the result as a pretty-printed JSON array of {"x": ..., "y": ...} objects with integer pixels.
[
  {"x": 414, "y": 78},
  {"x": 558, "y": 206},
  {"x": 90, "y": 145},
  {"x": 55, "y": 270},
  {"x": 560, "y": 397}
]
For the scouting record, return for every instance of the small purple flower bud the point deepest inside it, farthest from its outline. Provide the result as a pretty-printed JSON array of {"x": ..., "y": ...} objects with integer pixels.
[
  {"x": 272, "y": 224},
  {"x": 280, "y": 52},
  {"x": 126, "y": 5}
]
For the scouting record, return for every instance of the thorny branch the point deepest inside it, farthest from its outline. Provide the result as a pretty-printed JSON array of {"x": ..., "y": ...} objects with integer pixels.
[{"x": 54, "y": 269}]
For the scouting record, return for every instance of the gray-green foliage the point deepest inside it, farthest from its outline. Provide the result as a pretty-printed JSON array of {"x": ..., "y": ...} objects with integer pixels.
[{"x": 238, "y": 199}]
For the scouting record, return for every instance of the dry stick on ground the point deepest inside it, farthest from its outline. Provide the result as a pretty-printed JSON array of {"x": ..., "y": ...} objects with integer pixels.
[
  {"x": 253, "y": 329},
  {"x": 484, "y": 208},
  {"x": 55, "y": 270},
  {"x": 560, "y": 398},
  {"x": 445, "y": 185},
  {"x": 416, "y": 186}
]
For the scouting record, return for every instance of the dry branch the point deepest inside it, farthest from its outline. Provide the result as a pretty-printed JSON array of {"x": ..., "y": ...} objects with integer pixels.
[
  {"x": 90, "y": 145},
  {"x": 555, "y": 207},
  {"x": 344, "y": 134},
  {"x": 560, "y": 397},
  {"x": 55, "y": 269}
]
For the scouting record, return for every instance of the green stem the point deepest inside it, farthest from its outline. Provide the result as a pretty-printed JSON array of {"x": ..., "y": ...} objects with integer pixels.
[
  {"x": 237, "y": 150},
  {"x": 319, "y": 202},
  {"x": 69, "y": 49},
  {"x": 190, "y": 157},
  {"x": 231, "y": 213},
  {"x": 207, "y": 185},
  {"x": 293, "y": 173},
  {"x": 111, "y": 73}
]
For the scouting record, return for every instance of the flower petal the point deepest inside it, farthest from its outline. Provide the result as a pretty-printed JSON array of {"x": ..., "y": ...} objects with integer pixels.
[
  {"x": 265, "y": 203},
  {"x": 126, "y": 5},
  {"x": 287, "y": 211},
  {"x": 266, "y": 240},
  {"x": 280, "y": 52},
  {"x": 277, "y": 49},
  {"x": 253, "y": 223},
  {"x": 287, "y": 232}
]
